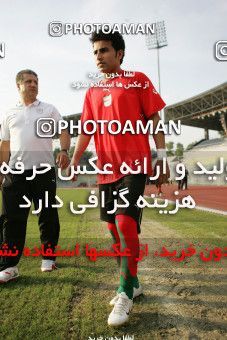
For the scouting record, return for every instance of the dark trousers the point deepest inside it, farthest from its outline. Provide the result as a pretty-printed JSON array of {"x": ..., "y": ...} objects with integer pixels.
[
  {"x": 13, "y": 221},
  {"x": 179, "y": 184},
  {"x": 184, "y": 183}
]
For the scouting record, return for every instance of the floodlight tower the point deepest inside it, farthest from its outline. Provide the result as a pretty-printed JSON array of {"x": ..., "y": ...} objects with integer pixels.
[{"x": 157, "y": 41}]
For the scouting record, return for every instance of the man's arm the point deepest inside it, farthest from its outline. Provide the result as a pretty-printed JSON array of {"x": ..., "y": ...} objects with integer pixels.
[
  {"x": 4, "y": 155},
  {"x": 159, "y": 139},
  {"x": 4, "y": 151},
  {"x": 62, "y": 158},
  {"x": 80, "y": 147}
]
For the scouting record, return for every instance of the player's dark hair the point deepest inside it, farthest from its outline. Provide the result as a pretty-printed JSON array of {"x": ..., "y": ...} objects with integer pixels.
[
  {"x": 20, "y": 75},
  {"x": 115, "y": 38}
]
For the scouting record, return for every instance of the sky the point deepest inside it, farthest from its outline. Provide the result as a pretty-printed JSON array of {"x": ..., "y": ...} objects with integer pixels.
[{"x": 188, "y": 64}]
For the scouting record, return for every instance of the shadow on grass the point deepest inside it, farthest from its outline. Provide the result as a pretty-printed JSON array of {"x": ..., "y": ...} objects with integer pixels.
[
  {"x": 48, "y": 279},
  {"x": 148, "y": 322},
  {"x": 154, "y": 299}
]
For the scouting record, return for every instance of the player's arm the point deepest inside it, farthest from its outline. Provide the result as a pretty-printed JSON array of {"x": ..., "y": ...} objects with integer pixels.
[
  {"x": 80, "y": 147},
  {"x": 4, "y": 154},
  {"x": 63, "y": 158},
  {"x": 159, "y": 139}
]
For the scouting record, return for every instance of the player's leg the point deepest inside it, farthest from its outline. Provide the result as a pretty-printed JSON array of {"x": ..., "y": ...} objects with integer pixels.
[
  {"x": 13, "y": 219},
  {"x": 106, "y": 204},
  {"x": 131, "y": 226},
  {"x": 43, "y": 187},
  {"x": 127, "y": 220},
  {"x": 127, "y": 229},
  {"x": 113, "y": 231}
]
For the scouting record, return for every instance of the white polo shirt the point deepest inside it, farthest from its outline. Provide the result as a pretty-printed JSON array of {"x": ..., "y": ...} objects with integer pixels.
[{"x": 19, "y": 127}]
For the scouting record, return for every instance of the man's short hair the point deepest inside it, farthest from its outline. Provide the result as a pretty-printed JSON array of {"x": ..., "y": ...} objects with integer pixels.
[
  {"x": 115, "y": 38},
  {"x": 20, "y": 75}
]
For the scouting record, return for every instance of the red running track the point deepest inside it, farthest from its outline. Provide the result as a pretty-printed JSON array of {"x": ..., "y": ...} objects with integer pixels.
[{"x": 214, "y": 197}]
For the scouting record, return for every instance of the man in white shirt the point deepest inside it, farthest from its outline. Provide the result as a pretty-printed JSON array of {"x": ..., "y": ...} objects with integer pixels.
[{"x": 20, "y": 142}]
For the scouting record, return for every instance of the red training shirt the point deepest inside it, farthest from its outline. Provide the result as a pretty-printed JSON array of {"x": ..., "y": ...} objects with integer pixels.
[{"x": 122, "y": 102}]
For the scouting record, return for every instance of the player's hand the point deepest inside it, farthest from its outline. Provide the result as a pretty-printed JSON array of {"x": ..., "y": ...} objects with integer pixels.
[
  {"x": 62, "y": 160},
  {"x": 164, "y": 173},
  {"x": 69, "y": 171}
]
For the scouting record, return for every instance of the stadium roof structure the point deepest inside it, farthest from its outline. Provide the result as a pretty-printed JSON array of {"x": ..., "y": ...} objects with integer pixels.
[
  {"x": 75, "y": 117},
  {"x": 207, "y": 110}
]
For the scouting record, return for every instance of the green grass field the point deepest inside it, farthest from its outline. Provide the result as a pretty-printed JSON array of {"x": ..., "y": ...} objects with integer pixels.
[{"x": 72, "y": 302}]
